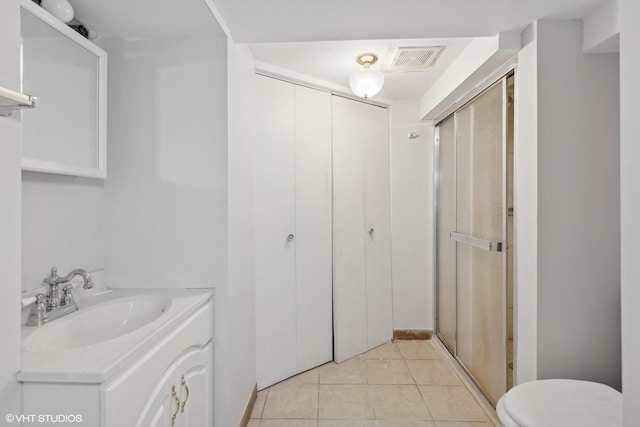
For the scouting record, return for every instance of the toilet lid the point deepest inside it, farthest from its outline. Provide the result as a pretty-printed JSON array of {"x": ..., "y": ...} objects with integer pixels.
[{"x": 564, "y": 403}]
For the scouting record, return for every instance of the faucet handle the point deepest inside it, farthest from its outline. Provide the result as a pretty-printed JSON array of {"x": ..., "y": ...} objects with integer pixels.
[
  {"x": 67, "y": 296},
  {"x": 40, "y": 299},
  {"x": 88, "y": 283},
  {"x": 52, "y": 278},
  {"x": 38, "y": 311}
]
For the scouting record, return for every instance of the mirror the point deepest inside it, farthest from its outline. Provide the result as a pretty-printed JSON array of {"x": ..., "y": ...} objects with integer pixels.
[{"x": 66, "y": 133}]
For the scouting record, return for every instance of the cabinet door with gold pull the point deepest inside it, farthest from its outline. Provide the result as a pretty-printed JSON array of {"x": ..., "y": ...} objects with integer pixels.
[
  {"x": 163, "y": 405},
  {"x": 194, "y": 383}
]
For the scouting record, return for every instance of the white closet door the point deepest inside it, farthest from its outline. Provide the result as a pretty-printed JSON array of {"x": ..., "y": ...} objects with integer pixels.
[
  {"x": 375, "y": 134},
  {"x": 313, "y": 228},
  {"x": 276, "y": 345},
  {"x": 293, "y": 230},
  {"x": 349, "y": 277}
]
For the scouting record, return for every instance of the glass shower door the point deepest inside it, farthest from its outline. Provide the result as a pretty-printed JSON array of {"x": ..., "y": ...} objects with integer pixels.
[
  {"x": 446, "y": 247},
  {"x": 480, "y": 236}
]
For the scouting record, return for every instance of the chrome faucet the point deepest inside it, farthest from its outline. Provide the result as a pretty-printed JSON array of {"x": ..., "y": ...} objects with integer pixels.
[{"x": 53, "y": 306}]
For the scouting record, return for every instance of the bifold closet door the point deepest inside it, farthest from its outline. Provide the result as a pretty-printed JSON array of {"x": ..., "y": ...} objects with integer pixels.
[
  {"x": 377, "y": 216},
  {"x": 292, "y": 230},
  {"x": 313, "y": 228},
  {"x": 361, "y": 228},
  {"x": 349, "y": 270},
  {"x": 276, "y": 353}
]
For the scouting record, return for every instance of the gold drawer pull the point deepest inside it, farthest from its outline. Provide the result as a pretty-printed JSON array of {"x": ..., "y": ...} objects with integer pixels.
[
  {"x": 175, "y": 396},
  {"x": 184, "y": 384}
]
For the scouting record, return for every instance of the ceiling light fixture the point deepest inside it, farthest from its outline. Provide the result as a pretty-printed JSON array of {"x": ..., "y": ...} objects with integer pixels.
[
  {"x": 61, "y": 9},
  {"x": 366, "y": 82}
]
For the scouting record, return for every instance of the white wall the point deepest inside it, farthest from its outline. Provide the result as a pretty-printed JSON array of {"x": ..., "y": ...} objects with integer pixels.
[
  {"x": 477, "y": 62},
  {"x": 179, "y": 207},
  {"x": 575, "y": 115},
  {"x": 602, "y": 28},
  {"x": 411, "y": 217},
  {"x": 166, "y": 221},
  {"x": 62, "y": 225},
  {"x": 180, "y": 193},
  {"x": 579, "y": 205},
  {"x": 234, "y": 328},
  {"x": 526, "y": 208},
  {"x": 630, "y": 228},
  {"x": 10, "y": 154},
  {"x": 62, "y": 216}
]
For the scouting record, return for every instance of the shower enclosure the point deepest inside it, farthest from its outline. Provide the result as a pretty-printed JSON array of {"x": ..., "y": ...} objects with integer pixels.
[{"x": 474, "y": 236}]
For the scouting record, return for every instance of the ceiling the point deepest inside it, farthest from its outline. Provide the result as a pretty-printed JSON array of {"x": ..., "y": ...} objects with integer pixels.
[
  {"x": 255, "y": 21},
  {"x": 321, "y": 38},
  {"x": 333, "y": 61},
  {"x": 148, "y": 18}
]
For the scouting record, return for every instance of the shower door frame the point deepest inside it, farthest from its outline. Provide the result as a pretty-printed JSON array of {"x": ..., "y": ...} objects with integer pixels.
[
  {"x": 436, "y": 206},
  {"x": 436, "y": 240},
  {"x": 500, "y": 77}
]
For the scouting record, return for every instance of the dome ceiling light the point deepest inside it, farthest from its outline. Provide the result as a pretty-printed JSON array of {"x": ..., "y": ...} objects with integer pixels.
[{"x": 366, "y": 82}]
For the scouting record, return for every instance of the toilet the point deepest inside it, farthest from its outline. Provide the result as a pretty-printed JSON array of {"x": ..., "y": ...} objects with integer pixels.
[{"x": 560, "y": 403}]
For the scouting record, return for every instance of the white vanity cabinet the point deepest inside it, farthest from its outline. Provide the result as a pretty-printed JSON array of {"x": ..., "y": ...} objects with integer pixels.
[
  {"x": 150, "y": 391},
  {"x": 133, "y": 398},
  {"x": 183, "y": 395}
]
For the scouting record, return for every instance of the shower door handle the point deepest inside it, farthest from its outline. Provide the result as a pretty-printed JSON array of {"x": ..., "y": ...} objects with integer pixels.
[{"x": 487, "y": 245}]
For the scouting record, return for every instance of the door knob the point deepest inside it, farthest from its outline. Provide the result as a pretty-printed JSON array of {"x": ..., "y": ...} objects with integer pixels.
[
  {"x": 290, "y": 237},
  {"x": 371, "y": 231}
]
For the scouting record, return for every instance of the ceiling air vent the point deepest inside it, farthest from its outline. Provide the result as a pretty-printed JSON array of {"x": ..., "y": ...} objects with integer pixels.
[{"x": 414, "y": 58}]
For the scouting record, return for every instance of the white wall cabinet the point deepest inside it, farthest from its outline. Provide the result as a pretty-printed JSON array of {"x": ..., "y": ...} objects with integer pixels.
[
  {"x": 66, "y": 134},
  {"x": 143, "y": 394},
  {"x": 292, "y": 230},
  {"x": 361, "y": 228}
]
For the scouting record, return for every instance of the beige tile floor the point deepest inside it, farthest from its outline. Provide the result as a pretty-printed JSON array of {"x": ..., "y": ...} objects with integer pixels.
[{"x": 399, "y": 384}]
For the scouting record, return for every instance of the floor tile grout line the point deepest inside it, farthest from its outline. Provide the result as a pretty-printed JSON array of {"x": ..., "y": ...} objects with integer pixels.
[
  {"x": 370, "y": 402},
  {"x": 318, "y": 388},
  {"x": 451, "y": 364},
  {"x": 415, "y": 381},
  {"x": 419, "y": 392},
  {"x": 482, "y": 401},
  {"x": 424, "y": 402},
  {"x": 370, "y": 386},
  {"x": 264, "y": 404}
]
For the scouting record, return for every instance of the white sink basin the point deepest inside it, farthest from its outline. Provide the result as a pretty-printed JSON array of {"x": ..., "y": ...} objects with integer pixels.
[
  {"x": 97, "y": 323},
  {"x": 110, "y": 330}
]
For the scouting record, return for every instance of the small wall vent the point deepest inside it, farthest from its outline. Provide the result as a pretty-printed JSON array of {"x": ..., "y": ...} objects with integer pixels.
[{"x": 414, "y": 58}]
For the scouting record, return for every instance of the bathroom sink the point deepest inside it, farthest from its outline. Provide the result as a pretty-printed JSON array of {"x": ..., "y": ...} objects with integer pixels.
[
  {"x": 97, "y": 323},
  {"x": 112, "y": 328}
]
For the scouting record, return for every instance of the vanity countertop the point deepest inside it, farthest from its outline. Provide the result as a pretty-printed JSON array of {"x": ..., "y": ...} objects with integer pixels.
[{"x": 101, "y": 360}]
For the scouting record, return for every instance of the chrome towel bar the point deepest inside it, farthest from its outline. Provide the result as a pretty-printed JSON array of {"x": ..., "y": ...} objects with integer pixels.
[{"x": 487, "y": 245}]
